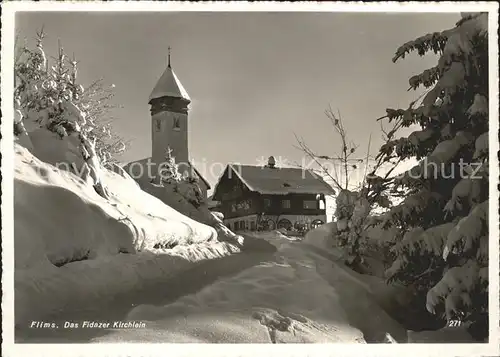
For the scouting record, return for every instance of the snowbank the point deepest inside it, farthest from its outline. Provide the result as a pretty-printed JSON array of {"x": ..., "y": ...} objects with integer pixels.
[
  {"x": 322, "y": 237},
  {"x": 170, "y": 197},
  {"x": 185, "y": 198},
  {"x": 72, "y": 245}
]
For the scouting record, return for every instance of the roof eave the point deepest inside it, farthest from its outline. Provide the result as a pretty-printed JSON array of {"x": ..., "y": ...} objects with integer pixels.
[
  {"x": 201, "y": 177},
  {"x": 231, "y": 167}
]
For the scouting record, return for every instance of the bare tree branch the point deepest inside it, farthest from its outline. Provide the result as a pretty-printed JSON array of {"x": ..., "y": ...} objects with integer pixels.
[{"x": 303, "y": 147}]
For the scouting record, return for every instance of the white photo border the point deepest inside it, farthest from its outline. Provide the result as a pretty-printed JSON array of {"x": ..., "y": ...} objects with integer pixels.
[{"x": 10, "y": 348}]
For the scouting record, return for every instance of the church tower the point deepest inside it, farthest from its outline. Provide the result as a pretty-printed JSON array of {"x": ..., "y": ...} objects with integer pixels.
[{"x": 169, "y": 114}]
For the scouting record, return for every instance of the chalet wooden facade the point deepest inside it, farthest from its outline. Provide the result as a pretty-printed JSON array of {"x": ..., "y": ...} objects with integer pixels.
[{"x": 266, "y": 198}]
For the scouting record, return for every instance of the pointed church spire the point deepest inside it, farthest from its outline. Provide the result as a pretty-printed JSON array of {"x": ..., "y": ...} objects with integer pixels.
[
  {"x": 169, "y": 49},
  {"x": 169, "y": 85}
]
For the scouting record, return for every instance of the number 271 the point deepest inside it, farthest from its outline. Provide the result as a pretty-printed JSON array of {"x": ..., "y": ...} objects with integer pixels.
[{"x": 454, "y": 323}]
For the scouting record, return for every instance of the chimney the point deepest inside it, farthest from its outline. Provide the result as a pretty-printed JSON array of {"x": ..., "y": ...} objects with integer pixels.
[{"x": 271, "y": 162}]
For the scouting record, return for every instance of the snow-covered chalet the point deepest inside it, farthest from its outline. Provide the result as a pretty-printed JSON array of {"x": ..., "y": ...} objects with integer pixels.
[{"x": 270, "y": 197}]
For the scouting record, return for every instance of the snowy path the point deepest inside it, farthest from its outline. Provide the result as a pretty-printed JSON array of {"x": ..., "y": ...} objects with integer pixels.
[{"x": 290, "y": 294}]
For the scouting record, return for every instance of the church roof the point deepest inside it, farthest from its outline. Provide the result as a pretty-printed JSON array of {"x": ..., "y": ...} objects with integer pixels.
[
  {"x": 169, "y": 86},
  {"x": 197, "y": 173},
  {"x": 277, "y": 181}
]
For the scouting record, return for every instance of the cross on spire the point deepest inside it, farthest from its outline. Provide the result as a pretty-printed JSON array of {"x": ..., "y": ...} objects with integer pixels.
[{"x": 169, "y": 49}]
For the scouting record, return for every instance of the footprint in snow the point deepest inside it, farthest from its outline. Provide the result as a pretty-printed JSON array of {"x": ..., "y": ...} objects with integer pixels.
[{"x": 278, "y": 321}]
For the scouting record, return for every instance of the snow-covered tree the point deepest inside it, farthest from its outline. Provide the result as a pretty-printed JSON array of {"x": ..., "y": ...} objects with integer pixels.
[
  {"x": 97, "y": 102},
  {"x": 48, "y": 95},
  {"x": 186, "y": 185},
  {"x": 169, "y": 170},
  {"x": 444, "y": 217}
]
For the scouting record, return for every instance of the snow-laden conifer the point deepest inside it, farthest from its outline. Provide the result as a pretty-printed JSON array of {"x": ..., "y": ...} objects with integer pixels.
[{"x": 444, "y": 252}]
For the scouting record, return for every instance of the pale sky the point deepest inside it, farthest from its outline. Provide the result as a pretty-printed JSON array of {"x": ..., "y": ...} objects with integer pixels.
[{"x": 255, "y": 79}]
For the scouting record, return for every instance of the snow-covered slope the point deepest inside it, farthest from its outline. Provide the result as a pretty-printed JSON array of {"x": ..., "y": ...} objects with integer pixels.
[{"x": 72, "y": 245}]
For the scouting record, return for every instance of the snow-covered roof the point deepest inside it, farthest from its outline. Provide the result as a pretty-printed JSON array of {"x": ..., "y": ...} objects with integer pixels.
[
  {"x": 277, "y": 181},
  {"x": 168, "y": 86}
]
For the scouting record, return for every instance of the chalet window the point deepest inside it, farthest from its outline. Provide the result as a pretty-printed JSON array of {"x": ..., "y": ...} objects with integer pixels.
[
  {"x": 284, "y": 223},
  {"x": 316, "y": 223},
  {"x": 157, "y": 125},
  {"x": 310, "y": 204},
  {"x": 267, "y": 202},
  {"x": 244, "y": 205},
  {"x": 285, "y": 203},
  {"x": 177, "y": 123}
]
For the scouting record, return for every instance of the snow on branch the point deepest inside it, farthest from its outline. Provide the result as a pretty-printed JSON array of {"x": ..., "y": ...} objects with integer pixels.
[
  {"x": 469, "y": 190},
  {"x": 479, "y": 106},
  {"x": 466, "y": 234},
  {"x": 418, "y": 241},
  {"x": 481, "y": 147},
  {"x": 482, "y": 254},
  {"x": 427, "y": 78},
  {"x": 450, "y": 82},
  {"x": 442, "y": 154},
  {"x": 455, "y": 289},
  {"x": 432, "y": 41},
  {"x": 410, "y": 211}
]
